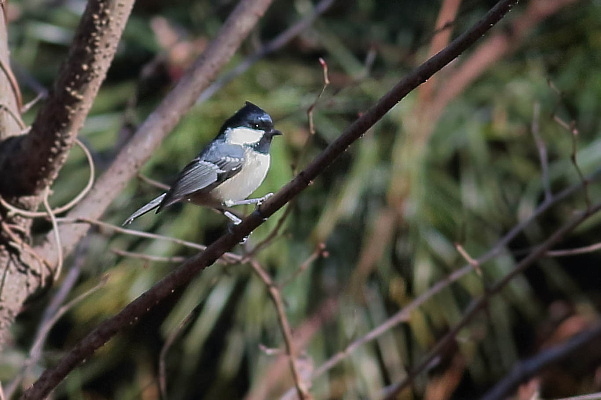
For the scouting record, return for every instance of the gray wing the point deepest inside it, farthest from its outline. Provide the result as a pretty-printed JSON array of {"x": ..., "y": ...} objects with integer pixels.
[{"x": 213, "y": 166}]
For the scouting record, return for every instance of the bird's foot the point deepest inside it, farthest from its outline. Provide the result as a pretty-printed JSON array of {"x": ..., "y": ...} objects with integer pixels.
[
  {"x": 257, "y": 201},
  {"x": 262, "y": 200}
]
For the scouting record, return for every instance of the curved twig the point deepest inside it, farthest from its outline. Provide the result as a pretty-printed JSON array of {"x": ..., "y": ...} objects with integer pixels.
[
  {"x": 57, "y": 237},
  {"x": 14, "y": 86},
  {"x": 70, "y": 204}
]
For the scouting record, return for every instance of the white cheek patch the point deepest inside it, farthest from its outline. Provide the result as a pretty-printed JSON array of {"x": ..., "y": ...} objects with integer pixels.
[{"x": 244, "y": 136}]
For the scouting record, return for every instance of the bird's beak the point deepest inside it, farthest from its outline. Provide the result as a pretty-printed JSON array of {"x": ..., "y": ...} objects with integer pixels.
[{"x": 275, "y": 132}]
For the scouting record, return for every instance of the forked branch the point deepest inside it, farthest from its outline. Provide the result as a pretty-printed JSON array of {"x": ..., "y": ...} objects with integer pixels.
[{"x": 31, "y": 162}]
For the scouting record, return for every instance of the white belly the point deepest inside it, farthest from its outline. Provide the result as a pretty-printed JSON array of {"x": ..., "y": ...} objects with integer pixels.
[{"x": 245, "y": 182}]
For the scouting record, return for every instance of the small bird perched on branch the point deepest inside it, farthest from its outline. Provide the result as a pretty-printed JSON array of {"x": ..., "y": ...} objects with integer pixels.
[{"x": 228, "y": 170}]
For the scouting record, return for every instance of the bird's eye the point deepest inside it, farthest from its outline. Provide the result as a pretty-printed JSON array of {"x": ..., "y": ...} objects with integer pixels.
[{"x": 255, "y": 126}]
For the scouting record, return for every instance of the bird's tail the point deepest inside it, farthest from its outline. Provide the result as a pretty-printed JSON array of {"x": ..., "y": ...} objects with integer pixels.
[{"x": 144, "y": 209}]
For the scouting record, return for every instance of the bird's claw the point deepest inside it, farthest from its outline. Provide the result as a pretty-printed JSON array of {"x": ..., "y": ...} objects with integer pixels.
[
  {"x": 262, "y": 200},
  {"x": 230, "y": 229}
]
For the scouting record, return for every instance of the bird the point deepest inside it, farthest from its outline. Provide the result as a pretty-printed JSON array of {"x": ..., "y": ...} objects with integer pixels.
[{"x": 228, "y": 170}]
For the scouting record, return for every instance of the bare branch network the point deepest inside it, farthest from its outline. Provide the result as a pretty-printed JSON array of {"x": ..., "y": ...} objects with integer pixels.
[
  {"x": 31, "y": 162},
  {"x": 186, "y": 271}
]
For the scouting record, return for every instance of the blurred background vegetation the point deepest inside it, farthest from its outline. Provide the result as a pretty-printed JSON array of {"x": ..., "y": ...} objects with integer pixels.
[{"x": 390, "y": 212}]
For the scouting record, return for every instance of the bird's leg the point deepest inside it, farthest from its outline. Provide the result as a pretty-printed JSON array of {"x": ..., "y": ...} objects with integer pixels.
[
  {"x": 235, "y": 220},
  {"x": 258, "y": 201}
]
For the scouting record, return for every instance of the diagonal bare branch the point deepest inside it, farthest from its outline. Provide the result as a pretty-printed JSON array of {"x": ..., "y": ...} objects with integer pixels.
[
  {"x": 529, "y": 367},
  {"x": 182, "y": 275},
  {"x": 478, "y": 304}
]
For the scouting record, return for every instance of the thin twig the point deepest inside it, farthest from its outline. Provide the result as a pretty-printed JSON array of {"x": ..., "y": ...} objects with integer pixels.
[
  {"x": 57, "y": 237},
  {"x": 542, "y": 151},
  {"x": 13, "y": 85},
  {"x": 153, "y": 182},
  {"x": 165, "y": 349},
  {"x": 71, "y": 203},
  {"x": 311, "y": 326},
  {"x": 573, "y": 131},
  {"x": 14, "y": 116},
  {"x": 384, "y": 327},
  {"x": 320, "y": 251},
  {"x": 305, "y": 147},
  {"x": 277, "y": 43},
  {"x": 58, "y": 298},
  {"x": 575, "y": 251},
  {"x": 89, "y": 184},
  {"x": 528, "y": 368},
  {"x": 276, "y": 297},
  {"x": 471, "y": 261},
  {"x": 133, "y": 232},
  {"x": 478, "y": 304},
  {"x": 53, "y": 312},
  {"x": 68, "y": 306},
  {"x": 41, "y": 95},
  {"x": 275, "y": 232},
  {"x": 20, "y": 245},
  {"x": 37, "y": 348},
  {"x": 442, "y": 284},
  {"x": 326, "y": 83},
  {"x": 227, "y": 258},
  {"x": 592, "y": 396},
  {"x": 148, "y": 257}
]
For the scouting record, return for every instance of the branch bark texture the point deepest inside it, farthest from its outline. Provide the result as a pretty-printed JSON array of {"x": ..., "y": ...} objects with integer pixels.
[
  {"x": 33, "y": 161},
  {"x": 132, "y": 312},
  {"x": 30, "y": 162},
  {"x": 9, "y": 96}
]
